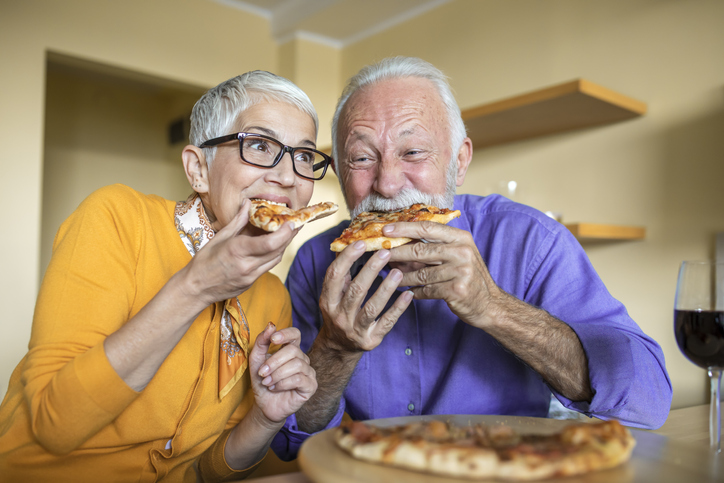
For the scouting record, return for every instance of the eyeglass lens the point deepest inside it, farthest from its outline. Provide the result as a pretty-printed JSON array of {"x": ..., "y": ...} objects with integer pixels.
[{"x": 263, "y": 152}]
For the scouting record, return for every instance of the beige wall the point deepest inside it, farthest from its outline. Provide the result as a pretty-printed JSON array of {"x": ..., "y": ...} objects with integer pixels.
[
  {"x": 101, "y": 130},
  {"x": 660, "y": 171},
  {"x": 192, "y": 42}
]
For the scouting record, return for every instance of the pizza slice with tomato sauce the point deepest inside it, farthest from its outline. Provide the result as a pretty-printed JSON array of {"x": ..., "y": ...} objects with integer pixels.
[
  {"x": 270, "y": 216},
  {"x": 367, "y": 226}
]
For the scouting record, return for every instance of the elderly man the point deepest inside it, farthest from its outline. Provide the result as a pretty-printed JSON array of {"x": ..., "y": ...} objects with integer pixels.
[{"x": 503, "y": 307}]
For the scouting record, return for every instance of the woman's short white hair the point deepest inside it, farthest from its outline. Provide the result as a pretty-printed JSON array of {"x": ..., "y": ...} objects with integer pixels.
[
  {"x": 215, "y": 113},
  {"x": 401, "y": 67}
]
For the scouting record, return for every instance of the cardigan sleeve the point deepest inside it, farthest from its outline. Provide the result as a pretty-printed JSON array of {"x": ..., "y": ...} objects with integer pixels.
[
  {"x": 212, "y": 465},
  {"x": 86, "y": 294}
]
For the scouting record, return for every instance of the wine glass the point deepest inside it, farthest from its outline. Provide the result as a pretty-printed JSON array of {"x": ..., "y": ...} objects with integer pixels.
[{"x": 699, "y": 328}]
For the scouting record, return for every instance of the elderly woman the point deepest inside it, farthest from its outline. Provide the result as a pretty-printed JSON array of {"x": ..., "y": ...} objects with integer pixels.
[{"x": 150, "y": 351}]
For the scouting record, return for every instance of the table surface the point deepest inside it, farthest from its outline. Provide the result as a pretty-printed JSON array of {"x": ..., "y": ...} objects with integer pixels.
[{"x": 686, "y": 425}]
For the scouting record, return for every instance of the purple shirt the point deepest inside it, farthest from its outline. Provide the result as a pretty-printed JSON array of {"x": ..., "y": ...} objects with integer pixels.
[{"x": 433, "y": 363}]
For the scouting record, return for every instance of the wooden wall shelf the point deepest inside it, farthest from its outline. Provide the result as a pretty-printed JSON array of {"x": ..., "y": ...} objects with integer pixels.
[
  {"x": 598, "y": 232},
  {"x": 564, "y": 107}
]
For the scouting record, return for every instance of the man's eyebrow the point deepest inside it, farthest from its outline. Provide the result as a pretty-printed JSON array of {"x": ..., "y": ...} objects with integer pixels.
[
  {"x": 273, "y": 134},
  {"x": 409, "y": 131}
]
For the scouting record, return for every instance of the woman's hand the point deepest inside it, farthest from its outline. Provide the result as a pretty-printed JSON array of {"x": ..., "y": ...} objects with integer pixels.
[
  {"x": 233, "y": 259},
  {"x": 282, "y": 382}
]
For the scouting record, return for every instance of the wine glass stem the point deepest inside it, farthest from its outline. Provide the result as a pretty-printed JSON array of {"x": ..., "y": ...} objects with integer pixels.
[{"x": 714, "y": 410}]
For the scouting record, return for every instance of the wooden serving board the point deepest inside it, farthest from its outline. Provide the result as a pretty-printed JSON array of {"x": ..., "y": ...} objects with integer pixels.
[{"x": 655, "y": 459}]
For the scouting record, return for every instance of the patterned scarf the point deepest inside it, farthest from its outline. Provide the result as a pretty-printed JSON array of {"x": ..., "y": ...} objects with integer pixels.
[{"x": 195, "y": 231}]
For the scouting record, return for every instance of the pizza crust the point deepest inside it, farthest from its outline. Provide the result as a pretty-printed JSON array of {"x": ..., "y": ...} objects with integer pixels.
[{"x": 270, "y": 216}]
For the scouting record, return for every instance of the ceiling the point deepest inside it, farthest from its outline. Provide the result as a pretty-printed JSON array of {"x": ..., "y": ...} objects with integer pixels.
[{"x": 333, "y": 22}]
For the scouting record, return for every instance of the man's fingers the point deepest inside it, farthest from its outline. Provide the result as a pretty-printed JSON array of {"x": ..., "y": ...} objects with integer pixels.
[
  {"x": 385, "y": 323},
  {"x": 421, "y": 230},
  {"x": 377, "y": 302},
  {"x": 335, "y": 279},
  {"x": 430, "y": 274},
  {"x": 360, "y": 285}
]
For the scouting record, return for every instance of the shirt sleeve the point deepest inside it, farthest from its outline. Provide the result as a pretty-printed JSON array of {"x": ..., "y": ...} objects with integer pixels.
[
  {"x": 289, "y": 439},
  {"x": 626, "y": 367},
  {"x": 86, "y": 294}
]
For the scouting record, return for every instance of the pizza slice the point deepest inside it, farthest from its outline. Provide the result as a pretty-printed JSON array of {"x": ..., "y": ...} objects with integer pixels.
[
  {"x": 367, "y": 226},
  {"x": 270, "y": 216}
]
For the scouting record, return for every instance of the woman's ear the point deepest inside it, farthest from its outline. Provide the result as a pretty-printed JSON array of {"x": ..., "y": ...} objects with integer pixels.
[{"x": 197, "y": 171}]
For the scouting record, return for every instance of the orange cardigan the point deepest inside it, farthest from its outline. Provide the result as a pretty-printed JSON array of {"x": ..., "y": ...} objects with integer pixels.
[{"x": 67, "y": 415}]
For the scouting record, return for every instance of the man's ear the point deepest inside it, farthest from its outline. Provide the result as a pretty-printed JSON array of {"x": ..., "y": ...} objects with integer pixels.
[
  {"x": 197, "y": 171},
  {"x": 465, "y": 155}
]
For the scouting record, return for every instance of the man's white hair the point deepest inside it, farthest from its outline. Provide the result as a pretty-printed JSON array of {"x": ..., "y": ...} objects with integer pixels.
[
  {"x": 215, "y": 113},
  {"x": 398, "y": 68}
]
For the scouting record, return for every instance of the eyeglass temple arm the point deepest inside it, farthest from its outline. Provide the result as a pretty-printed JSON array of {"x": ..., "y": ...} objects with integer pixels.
[
  {"x": 222, "y": 139},
  {"x": 321, "y": 164}
]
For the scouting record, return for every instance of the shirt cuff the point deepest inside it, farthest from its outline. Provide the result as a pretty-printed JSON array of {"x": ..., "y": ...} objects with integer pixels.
[
  {"x": 289, "y": 439},
  {"x": 627, "y": 377},
  {"x": 610, "y": 369}
]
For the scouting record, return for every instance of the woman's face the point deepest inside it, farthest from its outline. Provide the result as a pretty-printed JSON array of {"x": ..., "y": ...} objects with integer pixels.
[{"x": 231, "y": 180}]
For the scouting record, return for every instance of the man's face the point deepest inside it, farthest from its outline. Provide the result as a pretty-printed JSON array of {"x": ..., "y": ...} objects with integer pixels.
[
  {"x": 231, "y": 180},
  {"x": 395, "y": 146}
]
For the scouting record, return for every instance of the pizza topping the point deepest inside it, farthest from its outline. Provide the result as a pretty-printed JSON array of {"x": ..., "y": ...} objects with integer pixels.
[
  {"x": 270, "y": 215},
  {"x": 367, "y": 226}
]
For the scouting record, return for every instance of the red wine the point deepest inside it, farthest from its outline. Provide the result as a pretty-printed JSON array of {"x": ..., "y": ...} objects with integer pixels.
[{"x": 700, "y": 336}]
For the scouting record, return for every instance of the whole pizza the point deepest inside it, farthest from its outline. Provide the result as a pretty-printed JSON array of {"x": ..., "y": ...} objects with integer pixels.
[{"x": 484, "y": 452}]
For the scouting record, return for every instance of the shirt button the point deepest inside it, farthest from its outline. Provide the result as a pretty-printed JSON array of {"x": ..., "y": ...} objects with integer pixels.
[
  {"x": 408, "y": 351},
  {"x": 410, "y": 407}
]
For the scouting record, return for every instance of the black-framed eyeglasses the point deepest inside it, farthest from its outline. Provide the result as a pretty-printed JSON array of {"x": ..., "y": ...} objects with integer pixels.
[{"x": 266, "y": 152}]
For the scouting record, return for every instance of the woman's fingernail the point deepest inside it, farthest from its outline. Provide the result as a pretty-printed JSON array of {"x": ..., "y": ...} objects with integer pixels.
[
  {"x": 360, "y": 245},
  {"x": 267, "y": 380},
  {"x": 395, "y": 275},
  {"x": 384, "y": 254},
  {"x": 276, "y": 338},
  {"x": 388, "y": 228},
  {"x": 264, "y": 370}
]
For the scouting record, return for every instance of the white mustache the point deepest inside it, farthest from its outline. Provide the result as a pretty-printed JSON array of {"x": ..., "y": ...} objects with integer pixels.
[{"x": 403, "y": 199}]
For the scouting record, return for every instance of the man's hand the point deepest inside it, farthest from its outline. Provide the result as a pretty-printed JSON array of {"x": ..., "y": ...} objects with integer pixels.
[
  {"x": 348, "y": 325},
  {"x": 349, "y": 328},
  {"x": 449, "y": 267},
  {"x": 282, "y": 382}
]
